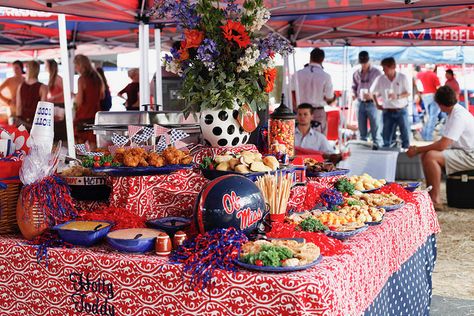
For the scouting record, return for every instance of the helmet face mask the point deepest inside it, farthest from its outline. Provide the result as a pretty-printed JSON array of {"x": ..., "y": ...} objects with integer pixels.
[{"x": 229, "y": 201}]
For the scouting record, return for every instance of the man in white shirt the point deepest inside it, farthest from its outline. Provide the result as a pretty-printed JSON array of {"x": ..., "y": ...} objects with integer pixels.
[
  {"x": 455, "y": 150},
  {"x": 314, "y": 87},
  {"x": 362, "y": 80},
  {"x": 393, "y": 88},
  {"x": 308, "y": 137}
]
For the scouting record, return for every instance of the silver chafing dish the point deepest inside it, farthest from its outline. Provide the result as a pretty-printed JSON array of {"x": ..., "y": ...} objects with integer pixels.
[{"x": 106, "y": 123}]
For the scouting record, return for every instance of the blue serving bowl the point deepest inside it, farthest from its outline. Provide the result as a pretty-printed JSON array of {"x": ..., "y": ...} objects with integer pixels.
[
  {"x": 138, "y": 245},
  {"x": 85, "y": 238},
  {"x": 169, "y": 224},
  {"x": 411, "y": 186}
]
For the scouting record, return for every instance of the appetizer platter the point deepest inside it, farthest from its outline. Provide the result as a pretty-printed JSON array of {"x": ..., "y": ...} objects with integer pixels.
[
  {"x": 365, "y": 183},
  {"x": 315, "y": 168},
  {"x": 339, "y": 225},
  {"x": 136, "y": 161},
  {"x": 278, "y": 255},
  {"x": 247, "y": 163},
  {"x": 387, "y": 201}
]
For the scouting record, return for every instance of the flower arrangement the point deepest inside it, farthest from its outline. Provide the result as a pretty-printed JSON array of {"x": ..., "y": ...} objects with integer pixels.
[{"x": 223, "y": 58}]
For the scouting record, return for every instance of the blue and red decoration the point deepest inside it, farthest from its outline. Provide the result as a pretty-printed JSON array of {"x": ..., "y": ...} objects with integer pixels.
[{"x": 201, "y": 256}]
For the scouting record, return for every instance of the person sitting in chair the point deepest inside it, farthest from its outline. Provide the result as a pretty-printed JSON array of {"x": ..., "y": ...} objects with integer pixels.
[
  {"x": 308, "y": 140},
  {"x": 454, "y": 152}
]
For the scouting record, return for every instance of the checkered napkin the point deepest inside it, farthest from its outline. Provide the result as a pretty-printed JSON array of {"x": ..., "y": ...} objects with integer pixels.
[
  {"x": 143, "y": 135},
  {"x": 119, "y": 140},
  {"x": 162, "y": 143},
  {"x": 84, "y": 149},
  {"x": 177, "y": 135}
]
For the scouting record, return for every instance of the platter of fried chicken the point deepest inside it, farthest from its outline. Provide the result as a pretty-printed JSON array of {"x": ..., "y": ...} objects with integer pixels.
[{"x": 136, "y": 161}]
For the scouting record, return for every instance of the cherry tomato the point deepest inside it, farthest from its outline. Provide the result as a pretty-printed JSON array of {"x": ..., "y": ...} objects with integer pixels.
[
  {"x": 345, "y": 194},
  {"x": 96, "y": 158},
  {"x": 211, "y": 167},
  {"x": 107, "y": 164},
  {"x": 259, "y": 263},
  {"x": 96, "y": 164}
]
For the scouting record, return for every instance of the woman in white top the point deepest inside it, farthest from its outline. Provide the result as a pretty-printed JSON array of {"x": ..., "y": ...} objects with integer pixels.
[{"x": 455, "y": 150}]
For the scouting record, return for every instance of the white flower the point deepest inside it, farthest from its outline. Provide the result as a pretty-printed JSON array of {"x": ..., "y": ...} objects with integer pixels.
[
  {"x": 174, "y": 67},
  {"x": 262, "y": 15},
  {"x": 249, "y": 59}
]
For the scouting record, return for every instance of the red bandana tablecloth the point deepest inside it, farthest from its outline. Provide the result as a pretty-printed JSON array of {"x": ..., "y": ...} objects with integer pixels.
[{"x": 108, "y": 283}]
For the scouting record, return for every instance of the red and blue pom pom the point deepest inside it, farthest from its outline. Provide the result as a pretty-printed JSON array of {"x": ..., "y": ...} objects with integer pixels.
[{"x": 201, "y": 256}]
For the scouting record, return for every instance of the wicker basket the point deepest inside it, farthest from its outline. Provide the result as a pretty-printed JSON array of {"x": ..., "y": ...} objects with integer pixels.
[{"x": 8, "y": 202}]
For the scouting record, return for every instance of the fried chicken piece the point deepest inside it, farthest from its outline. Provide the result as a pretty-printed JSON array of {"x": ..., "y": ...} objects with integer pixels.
[
  {"x": 156, "y": 160},
  {"x": 172, "y": 155},
  {"x": 143, "y": 162},
  {"x": 186, "y": 160}
]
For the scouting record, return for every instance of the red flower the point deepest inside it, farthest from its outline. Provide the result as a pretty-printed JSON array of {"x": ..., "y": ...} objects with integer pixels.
[
  {"x": 235, "y": 31},
  {"x": 192, "y": 39},
  {"x": 183, "y": 54},
  {"x": 270, "y": 76}
]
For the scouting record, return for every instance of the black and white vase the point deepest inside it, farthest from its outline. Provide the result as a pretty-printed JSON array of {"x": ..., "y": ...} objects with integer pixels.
[{"x": 220, "y": 128}]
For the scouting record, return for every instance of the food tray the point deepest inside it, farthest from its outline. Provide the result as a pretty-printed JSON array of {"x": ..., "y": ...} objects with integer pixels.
[
  {"x": 278, "y": 269},
  {"x": 213, "y": 174},
  {"x": 411, "y": 186},
  {"x": 140, "y": 171},
  {"x": 337, "y": 172},
  {"x": 390, "y": 208},
  {"x": 372, "y": 190},
  {"x": 345, "y": 235},
  {"x": 374, "y": 223}
]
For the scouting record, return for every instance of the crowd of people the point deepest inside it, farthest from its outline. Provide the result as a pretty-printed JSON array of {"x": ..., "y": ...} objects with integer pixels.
[
  {"x": 22, "y": 92},
  {"x": 383, "y": 101}
]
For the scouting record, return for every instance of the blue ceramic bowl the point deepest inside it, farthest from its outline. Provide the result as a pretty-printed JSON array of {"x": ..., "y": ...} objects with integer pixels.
[
  {"x": 138, "y": 245},
  {"x": 169, "y": 224},
  {"x": 85, "y": 238}
]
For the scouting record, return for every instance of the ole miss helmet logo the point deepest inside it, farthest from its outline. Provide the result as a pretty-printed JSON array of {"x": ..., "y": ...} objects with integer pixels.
[{"x": 229, "y": 201}]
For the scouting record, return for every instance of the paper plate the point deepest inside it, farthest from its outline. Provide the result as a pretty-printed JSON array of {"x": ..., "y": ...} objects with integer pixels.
[{"x": 278, "y": 269}]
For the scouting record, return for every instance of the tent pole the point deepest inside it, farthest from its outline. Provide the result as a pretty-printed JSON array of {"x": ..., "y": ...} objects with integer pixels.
[
  {"x": 141, "y": 48},
  {"x": 71, "y": 55},
  {"x": 296, "y": 87},
  {"x": 66, "y": 85},
  {"x": 158, "y": 80},
  {"x": 146, "y": 77},
  {"x": 286, "y": 86},
  {"x": 345, "y": 109}
]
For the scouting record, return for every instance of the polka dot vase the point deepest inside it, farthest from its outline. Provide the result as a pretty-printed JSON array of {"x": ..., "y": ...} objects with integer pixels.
[{"x": 220, "y": 128}]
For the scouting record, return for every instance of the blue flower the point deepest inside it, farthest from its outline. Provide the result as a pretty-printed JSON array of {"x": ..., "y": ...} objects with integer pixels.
[
  {"x": 207, "y": 52},
  {"x": 232, "y": 9},
  {"x": 183, "y": 12},
  {"x": 274, "y": 43}
]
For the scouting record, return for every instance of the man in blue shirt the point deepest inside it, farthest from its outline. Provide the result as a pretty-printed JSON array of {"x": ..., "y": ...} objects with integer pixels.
[{"x": 306, "y": 136}]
